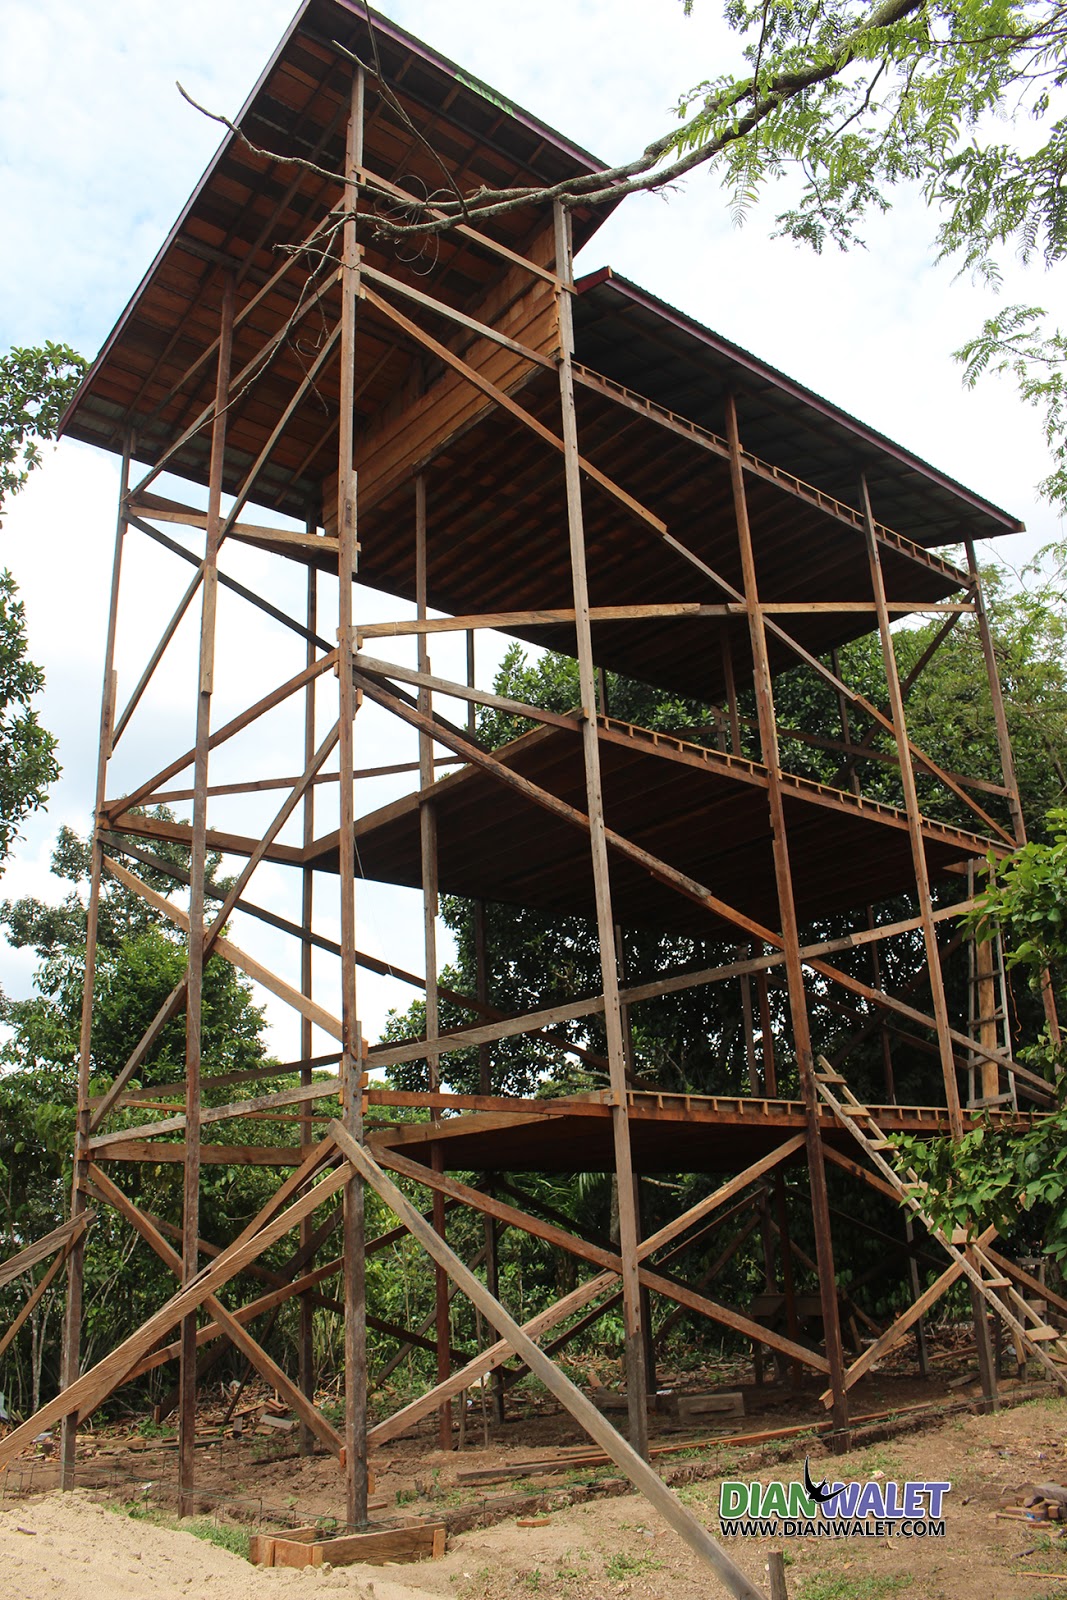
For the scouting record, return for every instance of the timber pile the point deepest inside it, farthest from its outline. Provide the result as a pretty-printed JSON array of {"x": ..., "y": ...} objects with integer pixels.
[{"x": 1036, "y": 1502}]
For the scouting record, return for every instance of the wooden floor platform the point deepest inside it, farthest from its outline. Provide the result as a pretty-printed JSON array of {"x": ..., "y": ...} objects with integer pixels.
[
  {"x": 668, "y": 1133},
  {"x": 700, "y": 810}
]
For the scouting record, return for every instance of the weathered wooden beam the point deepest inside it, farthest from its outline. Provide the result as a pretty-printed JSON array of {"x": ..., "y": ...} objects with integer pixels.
[
  {"x": 93, "y": 1387},
  {"x": 584, "y": 1412}
]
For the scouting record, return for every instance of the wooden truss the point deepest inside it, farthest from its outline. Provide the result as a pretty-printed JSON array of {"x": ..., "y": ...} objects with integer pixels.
[{"x": 506, "y": 361}]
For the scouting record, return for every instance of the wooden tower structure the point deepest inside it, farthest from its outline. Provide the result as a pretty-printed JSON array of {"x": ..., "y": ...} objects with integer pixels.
[{"x": 465, "y": 427}]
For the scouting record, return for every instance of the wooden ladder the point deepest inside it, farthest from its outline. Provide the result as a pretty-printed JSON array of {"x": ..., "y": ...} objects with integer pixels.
[{"x": 998, "y": 1291}]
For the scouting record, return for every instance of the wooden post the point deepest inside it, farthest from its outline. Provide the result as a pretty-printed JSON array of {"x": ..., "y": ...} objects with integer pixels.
[
  {"x": 921, "y": 1350},
  {"x": 485, "y": 1072},
  {"x": 798, "y": 1005},
  {"x": 76, "y": 1256},
  {"x": 581, "y": 1409},
  {"x": 307, "y": 1127},
  {"x": 914, "y": 814},
  {"x": 731, "y": 691},
  {"x": 634, "y": 1336},
  {"x": 876, "y": 964},
  {"x": 986, "y": 1367},
  {"x": 353, "y": 1054},
  {"x": 197, "y": 869},
  {"x": 986, "y": 999},
  {"x": 1007, "y": 759},
  {"x": 755, "y": 1077},
  {"x": 428, "y": 855},
  {"x": 776, "y": 1571},
  {"x": 785, "y": 1251}
]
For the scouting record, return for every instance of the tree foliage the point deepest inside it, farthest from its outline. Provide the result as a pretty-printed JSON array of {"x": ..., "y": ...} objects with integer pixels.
[
  {"x": 36, "y": 382},
  {"x": 140, "y": 959},
  {"x": 992, "y": 1175},
  {"x": 35, "y": 385}
]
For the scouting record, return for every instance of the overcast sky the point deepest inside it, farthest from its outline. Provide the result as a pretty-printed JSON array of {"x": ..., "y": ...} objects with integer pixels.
[{"x": 98, "y": 153}]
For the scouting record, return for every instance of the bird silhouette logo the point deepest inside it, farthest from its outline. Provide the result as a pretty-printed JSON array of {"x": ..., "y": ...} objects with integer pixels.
[{"x": 820, "y": 1492}]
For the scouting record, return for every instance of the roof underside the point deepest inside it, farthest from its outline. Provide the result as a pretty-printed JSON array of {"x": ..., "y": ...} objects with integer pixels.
[
  {"x": 497, "y": 536},
  {"x": 435, "y": 126}
]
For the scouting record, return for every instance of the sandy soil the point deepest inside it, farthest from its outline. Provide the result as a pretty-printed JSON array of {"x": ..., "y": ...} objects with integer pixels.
[
  {"x": 65, "y": 1547},
  {"x": 603, "y": 1550}
]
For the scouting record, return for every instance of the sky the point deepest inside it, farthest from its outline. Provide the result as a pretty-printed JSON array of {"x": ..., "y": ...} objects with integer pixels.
[{"x": 97, "y": 154}]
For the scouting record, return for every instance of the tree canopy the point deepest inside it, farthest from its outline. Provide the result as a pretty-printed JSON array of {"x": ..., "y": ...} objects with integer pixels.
[{"x": 35, "y": 384}]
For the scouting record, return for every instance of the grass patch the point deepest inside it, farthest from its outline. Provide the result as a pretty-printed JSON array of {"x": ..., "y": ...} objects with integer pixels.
[
  {"x": 226, "y": 1536},
  {"x": 620, "y": 1565},
  {"x": 827, "y": 1586}
]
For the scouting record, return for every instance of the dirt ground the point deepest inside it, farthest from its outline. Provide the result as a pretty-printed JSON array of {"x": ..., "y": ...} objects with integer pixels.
[{"x": 61, "y": 1547}]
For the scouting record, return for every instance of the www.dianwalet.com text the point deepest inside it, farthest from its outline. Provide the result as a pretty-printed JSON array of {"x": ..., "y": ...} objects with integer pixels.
[{"x": 871, "y": 1510}]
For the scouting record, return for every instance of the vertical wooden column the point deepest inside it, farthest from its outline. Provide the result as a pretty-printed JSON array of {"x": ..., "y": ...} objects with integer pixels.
[
  {"x": 76, "y": 1259},
  {"x": 485, "y": 1069},
  {"x": 1007, "y": 759},
  {"x": 428, "y": 855},
  {"x": 986, "y": 998},
  {"x": 876, "y": 963},
  {"x": 914, "y": 814},
  {"x": 305, "y": 1354},
  {"x": 986, "y": 1367},
  {"x": 352, "y": 1048},
  {"x": 634, "y": 1333},
  {"x": 798, "y": 1004},
  {"x": 197, "y": 868},
  {"x": 731, "y": 691},
  {"x": 631, "y": 1067},
  {"x": 921, "y": 1349}
]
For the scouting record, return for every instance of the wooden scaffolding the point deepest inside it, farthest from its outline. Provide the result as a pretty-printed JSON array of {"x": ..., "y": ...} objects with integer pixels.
[{"x": 458, "y": 423}]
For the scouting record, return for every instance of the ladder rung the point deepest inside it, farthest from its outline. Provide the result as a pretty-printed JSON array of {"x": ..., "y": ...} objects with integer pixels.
[
  {"x": 996, "y": 1283},
  {"x": 1043, "y": 1335},
  {"x": 830, "y": 1077},
  {"x": 880, "y": 1144}
]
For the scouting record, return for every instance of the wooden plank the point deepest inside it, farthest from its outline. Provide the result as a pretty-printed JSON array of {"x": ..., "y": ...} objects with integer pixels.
[
  {"x": 462, "y": 691},
  {"x": 25, "y": 1260},
  {"x": 229, "y": 952},
  {"x": 451, "y": 314},
  {"x": 897, "y": 1330},
  {"x": 229, "y": 1324},
  {"x": 88, "y": 1391},
  {"x": 417, "y": 1542},
  {"x": 276, "y": 540},
  {"x": 584, "y": 1412},
  {"x": 506, "y": 620},
  {"x": 350, "y": 1031},
  {"x": 34, "y": 1299}
]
